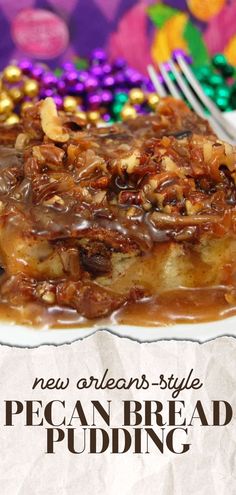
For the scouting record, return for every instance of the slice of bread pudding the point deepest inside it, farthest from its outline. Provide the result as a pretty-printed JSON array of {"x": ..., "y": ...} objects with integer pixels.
[{"x": 97, "y": 218}]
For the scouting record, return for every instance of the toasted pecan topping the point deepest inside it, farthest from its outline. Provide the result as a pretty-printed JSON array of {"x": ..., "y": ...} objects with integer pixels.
[{"x": 50, "y": 121}]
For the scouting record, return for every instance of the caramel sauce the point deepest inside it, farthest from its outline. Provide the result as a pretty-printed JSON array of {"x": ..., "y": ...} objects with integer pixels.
[
  {"x": 178, "y": 306},
  {"x": 182, "y": 305}
]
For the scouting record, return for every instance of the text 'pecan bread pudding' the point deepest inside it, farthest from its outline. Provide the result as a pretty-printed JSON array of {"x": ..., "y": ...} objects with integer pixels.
[{"x": 139, "y": 216}]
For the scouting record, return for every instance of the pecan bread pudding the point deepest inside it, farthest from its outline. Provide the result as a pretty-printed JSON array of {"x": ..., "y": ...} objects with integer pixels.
[{"x": 97, "y": 219}]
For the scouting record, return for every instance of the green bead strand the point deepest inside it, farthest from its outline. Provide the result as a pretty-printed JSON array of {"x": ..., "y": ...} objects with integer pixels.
[
  {"x": 222, "y": 103},
  {"x": 219, "y": 60},
  {"x": 209, "y": 90},
  {"x": 216, "y": 80},
  {"x": 228, "y": 71},
  {"x": 202, "y": 73},
  {"x": 223, "y": 91},
  {"x": 232, "y": 100},
  {"x": 121, "y": 98}
]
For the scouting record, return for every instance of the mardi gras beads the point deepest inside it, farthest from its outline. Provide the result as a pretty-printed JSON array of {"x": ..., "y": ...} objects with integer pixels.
[
  {"x": 16, "y": 94},
  {"x": 12, "y": 74},
  {"x": 97, "y": 85},
  {"x": 31, "y": 88},
  {"x": 216, "y": 81},
  {"x": 70, "y": 104},
  {"x": 93, "y": 117},
  {"x": 153, "y": 100},
  {"x": 12, "y": 119},
  {"x": 101, "y": 90},
  {"x": 25, "y": 105},
  {"x": 219, "y": 61},
  {"x": 136, "y": 95},
  {"x": 6, "y": 105},
  {"x": 128, "y": 112}
]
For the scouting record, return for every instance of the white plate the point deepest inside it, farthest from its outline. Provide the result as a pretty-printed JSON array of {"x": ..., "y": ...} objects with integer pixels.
[{"x": 28, "y": 337}]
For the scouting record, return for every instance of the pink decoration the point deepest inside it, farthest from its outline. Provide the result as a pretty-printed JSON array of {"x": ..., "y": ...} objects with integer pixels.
[
  {"x": 131, "y": 40},
  {"x": 108, "y": 8},
  {"x": 40, "y": 33},
  {"x": 221, "y": 29}
]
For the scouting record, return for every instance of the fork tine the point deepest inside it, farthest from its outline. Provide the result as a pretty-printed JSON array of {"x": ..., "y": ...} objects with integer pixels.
[
  {"x": 155, "y": 81},
  {"x": 186, "y": 90},
  {"x": 217, "y": 125},
  {"x": 220, "y": 132},
  {"x": 197, "y": 107},
  {"x": 204, "y": 98},
  {"x": 171, "y": 86}
]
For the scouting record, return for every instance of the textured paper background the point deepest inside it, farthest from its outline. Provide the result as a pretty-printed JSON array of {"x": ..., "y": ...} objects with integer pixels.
[{"x": 209, "y": 468}]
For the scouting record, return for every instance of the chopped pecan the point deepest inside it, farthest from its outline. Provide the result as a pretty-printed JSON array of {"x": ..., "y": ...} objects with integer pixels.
[
  {"x": 49, "y": 155},
  {"x": 51, "y": 123},
  {"x": 88, "y": 298},
  {"x": 100, "y": 183},
  {"x": 130, "y": 197}
]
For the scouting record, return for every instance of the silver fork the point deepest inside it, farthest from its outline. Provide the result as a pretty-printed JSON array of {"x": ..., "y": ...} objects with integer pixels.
[{"x": 221, "y": 126}]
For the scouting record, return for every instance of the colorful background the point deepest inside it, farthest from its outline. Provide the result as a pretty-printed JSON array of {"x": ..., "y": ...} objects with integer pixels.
[{"x": 143, "y": 30}]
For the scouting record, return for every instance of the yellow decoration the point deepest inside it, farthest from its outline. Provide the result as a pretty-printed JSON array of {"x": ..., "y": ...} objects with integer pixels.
[
  {"x": 6, "y": 105},
  {"x": 12, "y": 74},
  {"x": 93, "y": 116},
  {"x": 31, "y": 88},
  {"x": 230, "y": 50},
  {"x": 26, "y": 105},
  {"x": 12, "y": 119},
  {"x": 136, "y": 96},
  {"x": 205, "y": 9},
  {"x": 15, "y": 94},
  {"x": 128, "y": 112},
  {"x": 169, "y": 37},
  {"x": 70, "y": 104},
  {"x": 153, "y": 100}
]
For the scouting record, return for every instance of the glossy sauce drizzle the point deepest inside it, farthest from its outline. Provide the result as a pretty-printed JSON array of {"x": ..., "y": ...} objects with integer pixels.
[{"x": 182, "y": 305}]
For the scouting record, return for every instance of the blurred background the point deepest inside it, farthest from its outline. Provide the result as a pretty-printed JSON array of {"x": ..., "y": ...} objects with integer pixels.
[
  {"x": 140, "y": 30},
  {"x": 91, "y": 56}
]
